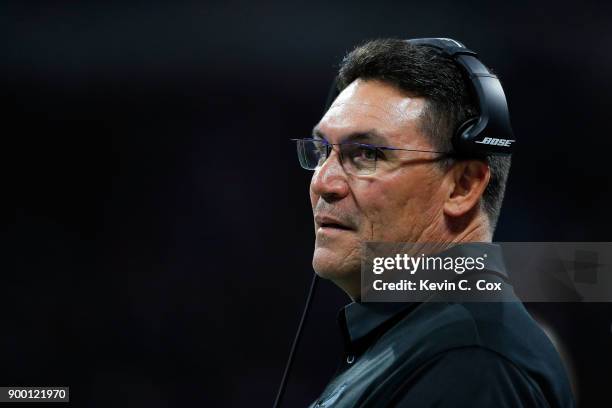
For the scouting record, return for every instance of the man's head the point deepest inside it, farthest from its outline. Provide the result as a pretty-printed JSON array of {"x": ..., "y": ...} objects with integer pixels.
[{"x": 398, "y": 95}]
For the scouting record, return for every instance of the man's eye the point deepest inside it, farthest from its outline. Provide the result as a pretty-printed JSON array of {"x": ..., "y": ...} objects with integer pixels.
[
  {"x": 320, "y": 149},
  {"x": 369, "y": 153}
]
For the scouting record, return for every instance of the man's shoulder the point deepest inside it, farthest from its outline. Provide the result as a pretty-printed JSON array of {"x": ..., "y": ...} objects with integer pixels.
[
  {"x": 503, "y": 327},
  {"x": 456, "y": 378},
  {"x": 498, "y": 336}
]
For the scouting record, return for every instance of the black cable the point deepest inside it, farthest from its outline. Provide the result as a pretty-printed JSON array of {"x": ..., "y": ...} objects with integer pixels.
[
  {"x": 296, "y": 340},
  {"x": 333, "y": 93}
]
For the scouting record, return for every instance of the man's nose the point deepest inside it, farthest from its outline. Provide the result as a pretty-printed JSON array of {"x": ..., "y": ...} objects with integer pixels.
[{"x": 330, "y": 181}]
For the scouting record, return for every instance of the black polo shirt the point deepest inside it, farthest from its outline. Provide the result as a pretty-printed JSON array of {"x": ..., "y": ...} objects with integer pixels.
[{"x": 447, "y": 354}]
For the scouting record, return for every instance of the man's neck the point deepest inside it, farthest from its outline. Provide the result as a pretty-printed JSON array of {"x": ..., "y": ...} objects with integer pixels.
[
  {"x": 473, "y": 227},
  {"x": 475, "y": 233}
]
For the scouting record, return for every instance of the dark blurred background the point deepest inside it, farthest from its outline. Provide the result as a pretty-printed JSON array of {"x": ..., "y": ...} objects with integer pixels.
[{"x": 162, "y": 236}]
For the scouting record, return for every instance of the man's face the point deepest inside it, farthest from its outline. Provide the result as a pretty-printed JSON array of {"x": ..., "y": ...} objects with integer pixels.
[{"x": 400, "y": 202}]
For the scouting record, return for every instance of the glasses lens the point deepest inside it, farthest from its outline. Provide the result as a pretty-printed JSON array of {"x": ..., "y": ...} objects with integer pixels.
[
  {"x": 358, "y": 158},
  {"x": 312, "y": 153}
]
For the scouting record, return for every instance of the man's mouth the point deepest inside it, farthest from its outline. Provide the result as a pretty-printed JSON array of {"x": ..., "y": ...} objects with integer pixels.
[{"x": 331, "y": 223}]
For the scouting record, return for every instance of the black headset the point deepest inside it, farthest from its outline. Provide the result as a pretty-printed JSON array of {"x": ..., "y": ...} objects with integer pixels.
[{"x": 488, "y": 134}]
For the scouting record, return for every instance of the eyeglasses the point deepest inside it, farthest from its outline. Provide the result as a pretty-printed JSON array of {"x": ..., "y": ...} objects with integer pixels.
[{"x": 355, "y": 158}]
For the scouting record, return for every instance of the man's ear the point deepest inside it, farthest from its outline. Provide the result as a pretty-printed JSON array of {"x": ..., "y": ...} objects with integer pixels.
[{"x": 469, "y": 178}]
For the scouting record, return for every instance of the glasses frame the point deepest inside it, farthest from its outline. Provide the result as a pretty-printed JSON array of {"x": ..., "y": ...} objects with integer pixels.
[{"x": 367, "y": 145}]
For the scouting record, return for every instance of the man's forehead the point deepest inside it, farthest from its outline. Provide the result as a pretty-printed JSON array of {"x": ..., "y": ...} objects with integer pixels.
[{"x": 367, "y": 105}]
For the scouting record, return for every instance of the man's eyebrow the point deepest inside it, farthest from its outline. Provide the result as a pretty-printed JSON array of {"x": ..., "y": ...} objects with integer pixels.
[{"x": 370, "y": 137}]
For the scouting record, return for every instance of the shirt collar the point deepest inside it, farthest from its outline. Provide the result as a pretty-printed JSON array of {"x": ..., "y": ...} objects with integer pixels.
[{"x": 358, "y": 320}]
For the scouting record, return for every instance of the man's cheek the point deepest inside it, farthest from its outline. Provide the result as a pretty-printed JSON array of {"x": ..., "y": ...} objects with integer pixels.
[
  {"x": 384, "y": 223},
  {"x": 372, "y": 226}
]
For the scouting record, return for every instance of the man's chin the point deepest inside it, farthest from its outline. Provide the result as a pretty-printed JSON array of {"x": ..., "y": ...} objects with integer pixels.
[{"x": 335, "y": 265}]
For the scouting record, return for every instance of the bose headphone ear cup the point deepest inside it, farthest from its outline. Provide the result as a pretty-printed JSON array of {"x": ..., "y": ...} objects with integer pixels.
[{"x": 461, "y": 141}]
